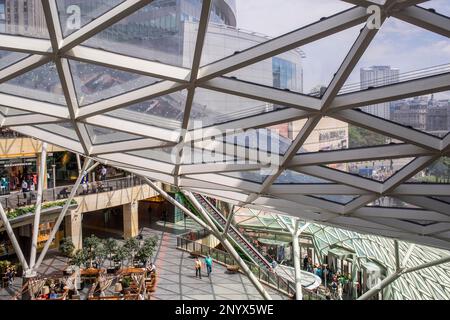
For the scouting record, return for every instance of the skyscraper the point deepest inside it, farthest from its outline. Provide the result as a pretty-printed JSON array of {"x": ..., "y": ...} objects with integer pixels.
[{"x": 377, "y": 76}]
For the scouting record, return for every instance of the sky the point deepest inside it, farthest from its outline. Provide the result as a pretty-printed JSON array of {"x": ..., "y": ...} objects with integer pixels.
[{"x": 397, "y": 43}]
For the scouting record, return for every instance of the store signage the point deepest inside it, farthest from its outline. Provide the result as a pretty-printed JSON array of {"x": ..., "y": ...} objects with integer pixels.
[{"x": 19, "y": 164}]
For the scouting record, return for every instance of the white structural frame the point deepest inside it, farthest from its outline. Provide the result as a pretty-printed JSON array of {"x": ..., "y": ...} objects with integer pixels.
[{"x": 209, "y": 178}]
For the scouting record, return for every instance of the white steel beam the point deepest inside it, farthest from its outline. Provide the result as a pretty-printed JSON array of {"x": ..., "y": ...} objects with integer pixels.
[
  {"x": 29, "y": 119},
  {"x": 289, "y": 41},
  {"x": 388, "y": 128},
  {"x": 358, "y": 154},
  {"x": 425, "y": 19},
  {"x": 392, "y": 92},
  {"x": 34, "y": 106},
  {"x": 263, "y": 93},
  {"x": 129, "y": 64},
  {"x": 25, "y": 44}
]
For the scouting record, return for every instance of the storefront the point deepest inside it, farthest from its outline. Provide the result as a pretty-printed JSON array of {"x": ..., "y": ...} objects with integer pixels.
[
  {"x": 340, "y": 260},
  {"x": 12, "y": 172}
]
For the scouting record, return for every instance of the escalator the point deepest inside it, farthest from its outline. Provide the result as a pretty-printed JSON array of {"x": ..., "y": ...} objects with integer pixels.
[{"x": 252, "y": 253}]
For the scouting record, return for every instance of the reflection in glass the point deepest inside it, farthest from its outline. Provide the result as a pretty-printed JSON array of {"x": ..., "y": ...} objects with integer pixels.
[
  {"x": 8, "y": 58},
  {"x": 166, "y": 111},
  {"x": 41, "y": 84},
  {"x": 101, "y": 135},
  {"x": 94, "y": 82}
]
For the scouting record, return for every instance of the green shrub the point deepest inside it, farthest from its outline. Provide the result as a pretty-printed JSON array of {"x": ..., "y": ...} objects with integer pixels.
[{"x": 31, "y": 209}]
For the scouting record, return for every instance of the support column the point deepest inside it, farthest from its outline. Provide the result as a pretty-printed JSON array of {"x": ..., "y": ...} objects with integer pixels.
[
  {"x": 130, "y": 220},
  {"x": 297, "y": 267},
  {"x": 74, "y": 229},
  {"x": 39, "y": 159},
  {"x": 37, "y": 213}
]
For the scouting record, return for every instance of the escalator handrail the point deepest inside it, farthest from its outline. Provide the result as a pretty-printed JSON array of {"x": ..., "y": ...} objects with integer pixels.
[{"x": 250, "y": 246}]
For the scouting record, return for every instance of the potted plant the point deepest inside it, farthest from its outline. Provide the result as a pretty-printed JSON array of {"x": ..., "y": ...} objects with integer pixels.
[
  {"x": 121, "y": 254},
  {"x": 90, "y": 244},
  {"x": 146, "y": 250},
  {"x": 132, "y": 246},
  {"x": 110, "y": 245},
  {"x": 66, "y": 247}
]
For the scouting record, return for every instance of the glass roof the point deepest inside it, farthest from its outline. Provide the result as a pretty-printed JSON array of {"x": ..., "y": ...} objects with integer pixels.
[{"x": 269, "y": 88}]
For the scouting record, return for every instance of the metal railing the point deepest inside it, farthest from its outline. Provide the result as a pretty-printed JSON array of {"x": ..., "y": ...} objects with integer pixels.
[
  {"x": 187, "y": 242},
  {"x": 21, "y": 199}
]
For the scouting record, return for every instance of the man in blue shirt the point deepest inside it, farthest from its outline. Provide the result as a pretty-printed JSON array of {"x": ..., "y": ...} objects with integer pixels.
[{"x": 208, "y": 262}]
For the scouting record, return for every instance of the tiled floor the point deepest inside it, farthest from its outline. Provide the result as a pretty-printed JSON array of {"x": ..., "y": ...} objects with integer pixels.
[{"x": 176, "y": 274}]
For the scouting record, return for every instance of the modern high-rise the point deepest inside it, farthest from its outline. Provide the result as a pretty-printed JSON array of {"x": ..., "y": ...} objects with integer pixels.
[{"x": 378, "y": 76}]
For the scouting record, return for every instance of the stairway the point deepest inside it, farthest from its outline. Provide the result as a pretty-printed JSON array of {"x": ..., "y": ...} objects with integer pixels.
[{"x": 252, "y": 253}]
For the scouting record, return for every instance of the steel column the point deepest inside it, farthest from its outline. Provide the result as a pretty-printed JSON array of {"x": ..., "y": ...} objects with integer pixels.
[
  {"x": 73, "y": 192},
  {"x": 37, "y": 213}
]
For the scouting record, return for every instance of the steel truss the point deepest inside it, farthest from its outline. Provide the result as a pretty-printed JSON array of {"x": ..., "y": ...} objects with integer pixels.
[{"x": 206, "y": 178}]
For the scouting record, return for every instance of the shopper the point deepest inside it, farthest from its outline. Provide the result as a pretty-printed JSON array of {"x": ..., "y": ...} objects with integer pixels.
[
  {"x": 103, "y": 172},
  {"x": 24, "y": 188},
  {"x": 208, "y": 262},
  {"x": 198, "y": 268}
]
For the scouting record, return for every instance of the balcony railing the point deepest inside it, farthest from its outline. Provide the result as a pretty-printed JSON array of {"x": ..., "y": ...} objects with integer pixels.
[
  {"x": 21, "y": 199},
  {"x": 187, "y": 242}
]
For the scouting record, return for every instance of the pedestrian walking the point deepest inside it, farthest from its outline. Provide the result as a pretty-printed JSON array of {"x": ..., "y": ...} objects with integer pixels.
[
  {"x": 208, "y": 262},
  {"x": 198, "y": 268}
]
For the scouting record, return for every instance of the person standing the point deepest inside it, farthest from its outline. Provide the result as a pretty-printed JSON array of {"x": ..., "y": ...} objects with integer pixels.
[
  {"x": 208, "y": 262},
  {"x": 103, "y": 172},
  {"x": 24, "y": 188},
  {"x": 198, "y": 268}
]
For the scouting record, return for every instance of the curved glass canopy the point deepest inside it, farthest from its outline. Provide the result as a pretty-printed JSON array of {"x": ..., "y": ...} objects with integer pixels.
[{"x": 174, "y": 91}]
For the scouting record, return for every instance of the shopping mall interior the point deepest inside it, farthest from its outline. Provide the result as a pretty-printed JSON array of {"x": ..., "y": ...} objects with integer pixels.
[{"x": 225, "y": 150}]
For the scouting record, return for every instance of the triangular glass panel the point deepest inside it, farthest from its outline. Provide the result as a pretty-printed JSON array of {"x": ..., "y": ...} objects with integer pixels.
[
  {"x": 341, "y": 199},
  {"x": 333, "y": 134},
  {"x": 6, "y": 112},
  {"x": 437, "y": 6},
  {"x": 158, "y": 32},
  {"x": 438, "y": 172},
  {"x": 166, "y": 111},
  {"x": 294, "y": 177},
  {"x": 95, "y": 83},
  {"x": 40, "y": 84},
  {"x": 303, "y": 70},
  {"x": 101, "y": 135},
  {"x": 23, "y": 18},
  {"x": 64, "y": 129},
  {"x": 252, "y": 176},
  {"x": 399, "y": 52},
  {"x": 211, "y": 108},
  {"x": 208, "y": 152},
  {"x": 73, "y": 15},
  {"x": 233, "y": 27},
  {"x": 8, "y": 58},
  {"x": 390, "y": 202},
  {"x": 166, "y": 154},
  {"x": 378, "y": 170}
]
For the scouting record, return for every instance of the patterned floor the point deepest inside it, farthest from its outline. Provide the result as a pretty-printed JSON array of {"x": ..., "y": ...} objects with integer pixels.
[{"x": 176, "y": 274}]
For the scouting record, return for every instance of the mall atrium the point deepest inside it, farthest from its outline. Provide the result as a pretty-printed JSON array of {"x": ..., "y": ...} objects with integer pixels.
[{"x": 225, "y": 149}]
